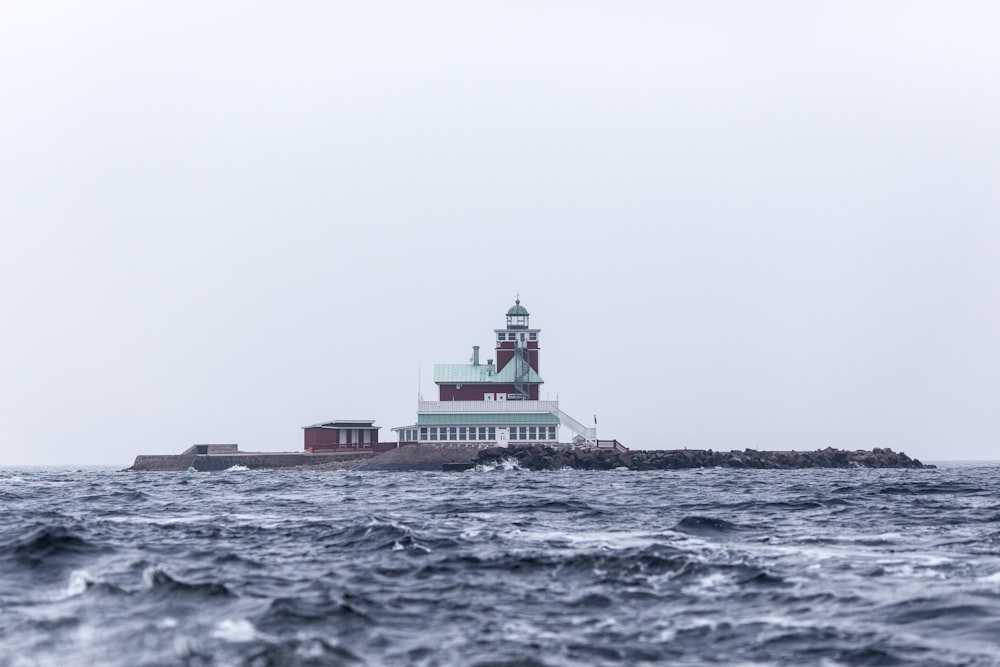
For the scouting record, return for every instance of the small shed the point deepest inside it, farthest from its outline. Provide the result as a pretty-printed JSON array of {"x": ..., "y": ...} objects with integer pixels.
[{"x": 342, "y": 434}]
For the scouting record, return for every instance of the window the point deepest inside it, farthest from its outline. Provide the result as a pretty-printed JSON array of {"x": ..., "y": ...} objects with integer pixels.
[
  {"x": 492, "y": 433},
  {"x": 434, "y": 432},
  {"x": 423, "y": 432},
  {"x": 462, "y": 435},
  {"x": 552, "y": 433},
  {"x": 452, "y": 433},
  {"x": 533, "y": 336},
  {"x": 482, "y": 432},
  {"x": 532, "y": 434}
]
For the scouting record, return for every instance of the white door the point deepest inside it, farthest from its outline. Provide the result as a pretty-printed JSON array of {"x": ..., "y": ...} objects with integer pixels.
[{"x": 502, "y": 437}]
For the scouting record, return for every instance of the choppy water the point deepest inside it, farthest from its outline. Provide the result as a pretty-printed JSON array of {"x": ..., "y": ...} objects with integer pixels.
[{"x": 853, "y": 567}]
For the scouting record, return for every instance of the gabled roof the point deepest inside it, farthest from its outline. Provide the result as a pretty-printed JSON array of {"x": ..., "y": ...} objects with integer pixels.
[
  {"x": 345, "y": 423},
  {"x": 472, "y": 374}
]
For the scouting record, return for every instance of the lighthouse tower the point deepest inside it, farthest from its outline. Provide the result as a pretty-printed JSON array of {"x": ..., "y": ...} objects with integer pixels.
[
  {"x": 514, "y": 377},
  {"x": 518, "y": 345}
]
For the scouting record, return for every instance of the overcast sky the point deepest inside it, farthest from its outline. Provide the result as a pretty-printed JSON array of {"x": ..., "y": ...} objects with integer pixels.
[{"x": 737, "y": 224}]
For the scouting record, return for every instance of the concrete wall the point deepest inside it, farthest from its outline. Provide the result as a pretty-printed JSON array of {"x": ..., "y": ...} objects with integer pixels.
[{"x": 248, "y": 459}]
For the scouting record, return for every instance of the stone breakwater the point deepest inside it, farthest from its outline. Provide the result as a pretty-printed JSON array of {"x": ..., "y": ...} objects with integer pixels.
[
  {"x": 540, "y": 457},
  {"x": 191, "y": 460}
]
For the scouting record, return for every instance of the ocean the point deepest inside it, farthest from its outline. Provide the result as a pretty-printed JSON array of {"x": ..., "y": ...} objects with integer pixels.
[{"x": 501, "y": 567}]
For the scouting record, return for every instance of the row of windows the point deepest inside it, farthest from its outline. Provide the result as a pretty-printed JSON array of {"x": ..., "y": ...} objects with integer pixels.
[
  {"x": 408, "y": 435},
  {"x": 463, "y": 433},
  {"x": 503, "y": 335},
  {"x": 485, "y": 433},
  {"x": 533, "y": 433}
]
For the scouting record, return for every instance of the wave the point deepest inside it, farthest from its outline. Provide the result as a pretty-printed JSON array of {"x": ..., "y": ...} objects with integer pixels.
[
  {"x": 374, "y": 535},
  {"x": 82, "y": 582},
  {"x": 939, "y": 612},
  {"x": 930, "y": 488},
  {"x": 783, "y": 505},
  {"x": 507, "y": 464},
  {"x": 702, "y": 525},
  {"x": 161, "y": 584},
  {"x": 127, "y": 496},
  {"x": 653, "y": 560},
  {"x": 235, "y": 630},
  {"x": 49, "y": 546},
  {"x": 302, "y": 650},
  {"x": 293, "y": 613}
]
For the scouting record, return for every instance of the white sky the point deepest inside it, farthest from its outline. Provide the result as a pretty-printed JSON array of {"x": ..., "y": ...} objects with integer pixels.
[{"x": 769, "y": 224}]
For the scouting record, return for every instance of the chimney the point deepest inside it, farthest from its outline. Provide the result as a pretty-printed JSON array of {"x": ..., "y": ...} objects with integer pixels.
[{"x": 475, "y": 355}]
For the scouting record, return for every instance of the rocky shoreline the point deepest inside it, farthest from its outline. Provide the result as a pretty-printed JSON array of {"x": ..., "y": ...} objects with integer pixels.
[
  {"x": 538, "y": 457},
  {"x": 528, "y": 457}
]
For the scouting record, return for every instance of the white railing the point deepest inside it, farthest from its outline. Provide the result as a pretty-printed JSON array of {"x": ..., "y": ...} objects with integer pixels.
[
  {"x": 464, "y": 407},
  {"x": 589, "y": 433}
]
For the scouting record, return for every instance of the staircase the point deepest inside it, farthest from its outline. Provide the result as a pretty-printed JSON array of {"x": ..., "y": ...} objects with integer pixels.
[
  {"x": 522, "y": 371},
  {"x": 588, "y": 434}
]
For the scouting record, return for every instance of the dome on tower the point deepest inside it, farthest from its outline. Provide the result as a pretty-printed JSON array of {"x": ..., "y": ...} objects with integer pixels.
[{"x": 517, "y": 309}]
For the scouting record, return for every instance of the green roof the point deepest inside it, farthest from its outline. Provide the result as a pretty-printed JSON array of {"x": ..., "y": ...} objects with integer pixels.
[
  {"x": 517, "y": 309},
  {"x": 470, "y": 374},
  {"x": 487, "y": 419}
]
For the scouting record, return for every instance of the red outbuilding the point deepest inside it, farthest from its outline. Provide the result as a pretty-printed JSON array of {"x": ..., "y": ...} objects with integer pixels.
[{"x": 344, "y": 435}]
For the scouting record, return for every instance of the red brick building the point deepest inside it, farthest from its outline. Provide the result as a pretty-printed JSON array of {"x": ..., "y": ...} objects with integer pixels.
[{"x": 344, "y": 435}]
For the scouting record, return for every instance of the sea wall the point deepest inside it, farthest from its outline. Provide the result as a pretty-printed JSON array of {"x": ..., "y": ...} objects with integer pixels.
[
  {"x": 253, "y": 460},
  {"x": 163, "y": 462},
  {"x": 539, "y": 457}
]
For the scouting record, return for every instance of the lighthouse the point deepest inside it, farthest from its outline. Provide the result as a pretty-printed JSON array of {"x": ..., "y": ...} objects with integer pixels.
[
  {"x": 518, "y": 344},
  {"x": 514, "y": 376},
  {"x": 495, "y": 402}
]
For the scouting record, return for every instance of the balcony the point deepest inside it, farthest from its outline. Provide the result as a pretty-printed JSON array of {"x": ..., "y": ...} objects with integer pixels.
[{"x": 453, "y": 407}]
